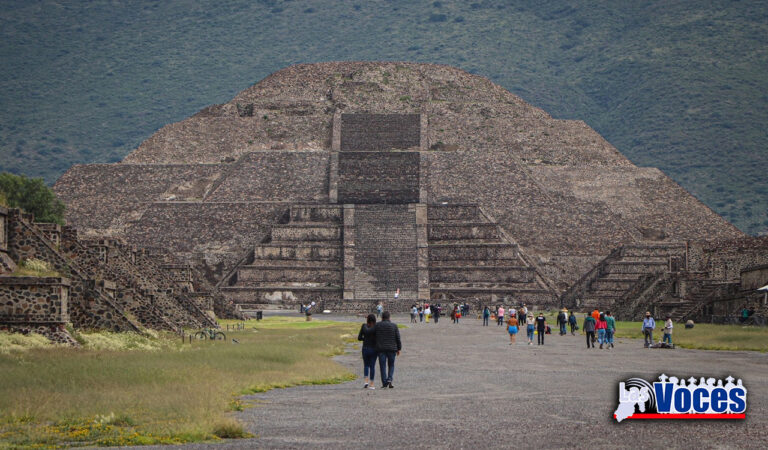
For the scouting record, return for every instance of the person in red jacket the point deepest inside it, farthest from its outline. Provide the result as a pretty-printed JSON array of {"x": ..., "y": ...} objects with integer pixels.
[
  {"x": 596, "y": 316},
  {"x": 601, "y": 326}
]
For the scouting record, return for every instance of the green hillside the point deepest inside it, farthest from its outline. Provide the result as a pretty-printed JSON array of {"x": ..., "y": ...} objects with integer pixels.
[{"x": 678, "y": 85}]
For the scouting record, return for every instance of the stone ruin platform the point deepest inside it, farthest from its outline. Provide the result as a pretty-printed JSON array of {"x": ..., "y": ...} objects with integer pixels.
[{"x": 342, "y": 182}]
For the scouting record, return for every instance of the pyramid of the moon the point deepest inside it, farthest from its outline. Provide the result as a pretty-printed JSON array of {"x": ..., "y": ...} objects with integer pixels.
[{"x": 343, "y": 182}]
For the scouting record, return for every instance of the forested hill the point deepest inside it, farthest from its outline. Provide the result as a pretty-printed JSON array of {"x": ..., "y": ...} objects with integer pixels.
[{"x": 678, "y": 85}]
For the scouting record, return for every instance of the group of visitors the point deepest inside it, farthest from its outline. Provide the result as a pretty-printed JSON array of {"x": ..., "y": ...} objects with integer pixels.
[
  {"x": 599, "y": 327},
  {"x": 425, "y": 312},
  {"x": 380, "y": 341}
]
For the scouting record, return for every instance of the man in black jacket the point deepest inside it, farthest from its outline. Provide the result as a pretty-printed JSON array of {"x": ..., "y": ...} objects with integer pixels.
[{"x": 388, "y": 344}]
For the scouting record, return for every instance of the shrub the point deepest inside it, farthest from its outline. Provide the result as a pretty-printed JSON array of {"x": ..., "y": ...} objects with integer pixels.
[
  {"x": 230, "y": 430},
  {"x": 33, "y": 196}
]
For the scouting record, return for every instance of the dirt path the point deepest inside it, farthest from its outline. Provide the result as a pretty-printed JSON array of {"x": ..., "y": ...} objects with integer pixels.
[{"x": 464, "y": 386}]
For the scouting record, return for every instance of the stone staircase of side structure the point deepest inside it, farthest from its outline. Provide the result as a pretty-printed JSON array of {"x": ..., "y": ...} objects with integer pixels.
[
  {"x": 470, "y": 260},
  {"x": 609, "y": 281},
  {"x": 300, "y": 262}
]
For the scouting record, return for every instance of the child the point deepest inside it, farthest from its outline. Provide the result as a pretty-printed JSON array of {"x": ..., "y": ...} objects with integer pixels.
[{"x": 668, "y": 331}]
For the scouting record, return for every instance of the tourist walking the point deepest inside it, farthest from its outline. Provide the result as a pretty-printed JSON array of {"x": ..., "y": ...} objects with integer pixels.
[
  {"x": 512, "y": 329},
  {"x": 530, "y": 323},
  {"x": 388, "y": 345},
  {"x": 367, "y": 334},
  {"x": 589, "y": 328},
  {"x": 437, "y": 312},
  {"x": 562, "y": 321},
  {"x": 500, "y": 316},
  {"x": 572, "y": 321},
  {"x": 421, "y": 314},
  {"x": 427, "y": 313},
  {"x": 601, "y": 325},
  {"x": 668, "y": 330},
  {"x": 648, "y": 326},
  {"x": 379, "y": 309},
  {"x": 610, "y": 330},
  {"x": 486, "y": 316},
  {"x": 541, "y": 327},
  {"x": 522, "y": 314},
  {"x": 414, "y": 312}
]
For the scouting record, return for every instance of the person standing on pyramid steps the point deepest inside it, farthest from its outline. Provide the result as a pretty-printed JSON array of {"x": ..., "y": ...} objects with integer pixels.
[
  {"x": 541, "y": 327},
  {"x": 367, "y": 334},
  {"x": 389, "y": 346}
]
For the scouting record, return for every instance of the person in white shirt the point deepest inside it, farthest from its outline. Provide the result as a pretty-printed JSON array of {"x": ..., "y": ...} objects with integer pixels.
[{"x": 668, "y": 331}]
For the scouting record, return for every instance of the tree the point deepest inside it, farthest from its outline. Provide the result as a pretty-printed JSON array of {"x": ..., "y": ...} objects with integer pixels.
[{"x": 33, "y": 196}]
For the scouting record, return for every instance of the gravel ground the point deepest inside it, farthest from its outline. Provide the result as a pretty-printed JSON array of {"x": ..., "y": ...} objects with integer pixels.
[{"x": 464, "y": 386}]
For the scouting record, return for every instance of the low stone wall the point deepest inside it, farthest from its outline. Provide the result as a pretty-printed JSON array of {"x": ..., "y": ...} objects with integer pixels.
[
  {"x": 463, "y": 231},
  {"x": 482, "y": 274},
  {"x": 479, "y": 252},
  {"x": 302, "y": 232},
  {"x": 32, "y": 300}
]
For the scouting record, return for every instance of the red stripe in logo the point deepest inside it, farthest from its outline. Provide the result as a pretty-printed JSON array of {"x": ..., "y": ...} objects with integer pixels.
[{"x": 686, "y": 416}]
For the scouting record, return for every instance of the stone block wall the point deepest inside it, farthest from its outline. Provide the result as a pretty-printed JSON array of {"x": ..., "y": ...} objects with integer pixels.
[
  {"x": 378, "y": 177},
  {"x": 121, "y": 192},
  {"x": 276, "y": 176},
  {"x": 385, "y": 252},
  {"x": 366, "y": 132},
  {"x": 32, "y": 300}
]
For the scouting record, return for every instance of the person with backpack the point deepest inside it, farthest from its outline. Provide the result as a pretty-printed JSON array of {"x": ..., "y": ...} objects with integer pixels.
[
  {"x": 601, "y": 325},
  {"x": 486, "y": 316},
  {"x": 573, "y": 322},
  {"x": 589, "y": 328},
  {"x": 541, "y": 327},
  {"x": 610, "y": 330}
]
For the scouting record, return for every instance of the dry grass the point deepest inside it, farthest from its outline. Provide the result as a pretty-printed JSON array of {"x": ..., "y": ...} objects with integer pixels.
[
  {"x": 34, "y": 268},
  {"x": 110, "y": 396}
]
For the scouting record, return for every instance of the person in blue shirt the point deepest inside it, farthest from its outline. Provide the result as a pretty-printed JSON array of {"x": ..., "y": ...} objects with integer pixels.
[{"x": 648, "y": 326}]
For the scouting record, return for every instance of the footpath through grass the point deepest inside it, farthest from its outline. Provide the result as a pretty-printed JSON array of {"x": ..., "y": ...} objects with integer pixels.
[{"x": 123, "y": 390}]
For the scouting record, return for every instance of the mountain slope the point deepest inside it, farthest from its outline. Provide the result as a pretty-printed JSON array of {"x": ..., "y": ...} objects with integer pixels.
[{"x": 672, "y": 84}]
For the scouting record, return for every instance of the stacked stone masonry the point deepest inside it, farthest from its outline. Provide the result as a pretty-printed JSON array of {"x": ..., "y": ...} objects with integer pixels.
[
  {"x": 108, "y": 285},
  {"x": 225, "y": 185}
]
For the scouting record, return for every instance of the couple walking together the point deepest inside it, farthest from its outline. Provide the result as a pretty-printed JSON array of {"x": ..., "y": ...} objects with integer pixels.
[{"x": 380, "y": 340}]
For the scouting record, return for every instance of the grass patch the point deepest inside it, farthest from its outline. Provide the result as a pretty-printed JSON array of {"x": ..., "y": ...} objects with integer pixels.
[
  {"x": 704, "y": 336},
  {"x": 139, "y": 390},
  {"x": 34, "y": 268}
]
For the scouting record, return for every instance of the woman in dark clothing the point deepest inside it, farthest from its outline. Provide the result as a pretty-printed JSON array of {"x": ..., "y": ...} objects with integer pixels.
[{"x": 370, "y": 355}]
